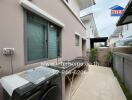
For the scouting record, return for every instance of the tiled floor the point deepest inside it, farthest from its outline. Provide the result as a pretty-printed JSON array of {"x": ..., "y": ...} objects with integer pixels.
[{"x": 97, "y": 84}]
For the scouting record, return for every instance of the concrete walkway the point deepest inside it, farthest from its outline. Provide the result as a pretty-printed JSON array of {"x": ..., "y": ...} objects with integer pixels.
[{"x": 97, "y": 84}]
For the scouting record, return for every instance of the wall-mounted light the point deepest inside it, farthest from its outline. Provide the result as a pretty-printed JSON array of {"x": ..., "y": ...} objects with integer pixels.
[{"x": 51, "y": 26}]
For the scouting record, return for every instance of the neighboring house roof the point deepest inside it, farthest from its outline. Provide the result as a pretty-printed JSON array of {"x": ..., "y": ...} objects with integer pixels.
[
  {"x": 116, "y": 35},
  {"x": 90, "y": 17},
  {"x": 117, "y": 32},
  {"x": 127, "y": 17},
  {"x": 116, "y": 7}
]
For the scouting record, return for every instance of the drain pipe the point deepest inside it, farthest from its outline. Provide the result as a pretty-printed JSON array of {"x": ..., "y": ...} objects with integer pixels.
[{"x": 12, "y": 70}]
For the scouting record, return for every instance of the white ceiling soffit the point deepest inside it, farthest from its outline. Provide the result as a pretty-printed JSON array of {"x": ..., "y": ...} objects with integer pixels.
[
  {"x": 85, "y": 3},
  {"x": 87, "y": 17},
  {"x": 33, "y": 8},
  {"x": 128, "y": 19}
]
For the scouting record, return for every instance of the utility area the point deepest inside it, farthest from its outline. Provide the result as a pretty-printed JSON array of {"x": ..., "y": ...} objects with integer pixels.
[{"x": 65, "y": 50}]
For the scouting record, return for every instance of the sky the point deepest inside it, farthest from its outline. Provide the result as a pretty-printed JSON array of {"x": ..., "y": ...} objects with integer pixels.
[{"x": 105, "y": 23}]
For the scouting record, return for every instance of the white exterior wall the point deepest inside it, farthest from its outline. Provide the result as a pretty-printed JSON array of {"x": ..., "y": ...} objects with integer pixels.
[
  {"x": 89, "y": 32},
  {"x": 127, "y": 30},
  {"x": 113, "y": 40}
]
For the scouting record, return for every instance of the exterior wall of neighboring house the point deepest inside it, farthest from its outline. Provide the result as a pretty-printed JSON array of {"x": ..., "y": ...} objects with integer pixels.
[
  {"x": 124, "y": 33},
  {"x": 112, "y": 40},
  {"x": 127, "y": 30},
  {"x": 116, "y": 36},
  {"x": 91, "y": 30},
  {"x": 121, "y": 34},
  {"x": 12, "y": 32}
]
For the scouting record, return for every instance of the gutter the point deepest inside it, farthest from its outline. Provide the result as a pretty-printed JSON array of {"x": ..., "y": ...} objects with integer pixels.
[{"x": 125, "y": 15}]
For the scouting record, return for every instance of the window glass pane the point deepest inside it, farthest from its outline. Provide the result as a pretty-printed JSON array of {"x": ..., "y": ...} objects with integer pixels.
[
  {"x": 36, "y": 39},
  {"x": 52, "y": 42}
]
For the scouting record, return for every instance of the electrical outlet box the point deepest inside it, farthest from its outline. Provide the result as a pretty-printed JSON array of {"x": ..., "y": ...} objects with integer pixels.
[{"x": 8, "y": 51}]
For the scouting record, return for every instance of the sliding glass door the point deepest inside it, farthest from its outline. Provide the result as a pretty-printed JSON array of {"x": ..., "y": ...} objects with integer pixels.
[
  {"x": 52, "y": 42},
  {"x": 42, "y": 39},
  {"x": 37, "y": 48}
]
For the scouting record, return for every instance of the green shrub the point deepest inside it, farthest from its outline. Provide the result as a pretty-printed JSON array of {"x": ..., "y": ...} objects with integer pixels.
[
  {"x": 109, "y": 58},
  {"x": 93, "y": 55}
]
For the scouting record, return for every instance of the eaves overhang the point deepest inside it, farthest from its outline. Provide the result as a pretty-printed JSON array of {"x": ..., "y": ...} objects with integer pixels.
[
  {"x": 127, "y": 16},
  {"x": 83, "y": 4}
]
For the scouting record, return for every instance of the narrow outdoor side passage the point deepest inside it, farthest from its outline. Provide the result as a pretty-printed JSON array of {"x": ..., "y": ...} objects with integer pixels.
[{"x": 99, "y": 83}]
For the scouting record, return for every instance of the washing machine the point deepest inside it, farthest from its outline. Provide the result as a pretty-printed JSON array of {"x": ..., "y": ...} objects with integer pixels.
[{"x": 42, "y": 85}]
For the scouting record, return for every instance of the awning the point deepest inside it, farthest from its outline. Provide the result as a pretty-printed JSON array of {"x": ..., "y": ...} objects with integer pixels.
[
  {"x": 97, "y": 40},
  {"x": 127, "y": 16}
]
